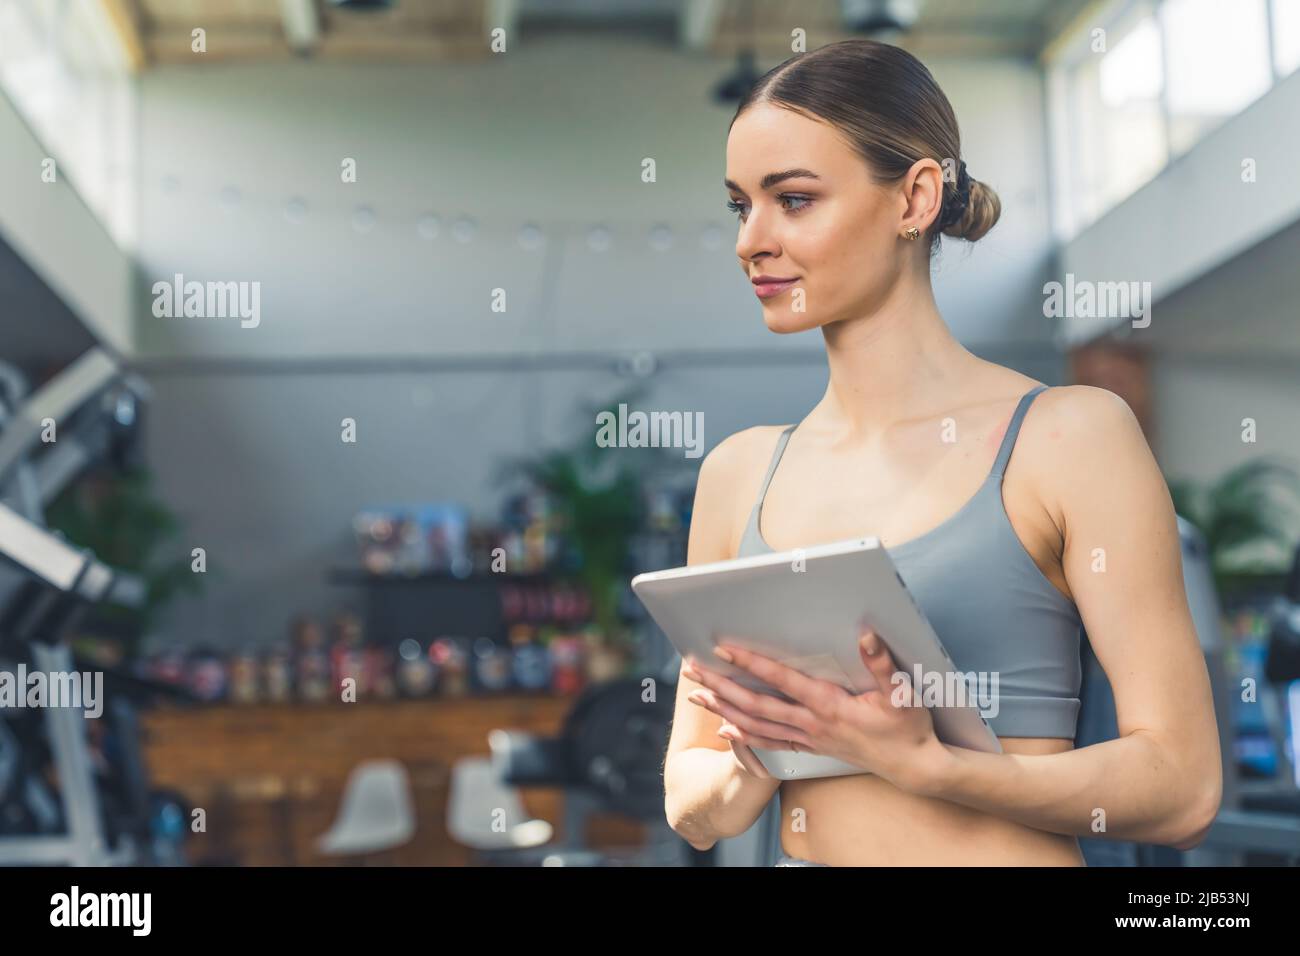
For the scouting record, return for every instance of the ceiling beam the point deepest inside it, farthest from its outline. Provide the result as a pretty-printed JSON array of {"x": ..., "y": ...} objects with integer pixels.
[
  {"x": 409, "y": 47},
  {"x": 172, "y": 46},
  {"x": 774, "y": 45}
]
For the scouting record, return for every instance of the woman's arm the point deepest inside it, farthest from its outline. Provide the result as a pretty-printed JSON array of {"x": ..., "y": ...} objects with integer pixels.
[
  {"x": 1161, "y": 780},
  {"x": 709, "y": 793}
]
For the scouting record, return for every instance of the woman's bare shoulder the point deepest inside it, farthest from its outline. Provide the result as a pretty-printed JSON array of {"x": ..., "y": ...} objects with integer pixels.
[
  {"x": 1072, "y": 436},
  {"x": 742, "y": 456},
  {"x": 1082, "y": 419},
  {"x": 728, "y": 483}
]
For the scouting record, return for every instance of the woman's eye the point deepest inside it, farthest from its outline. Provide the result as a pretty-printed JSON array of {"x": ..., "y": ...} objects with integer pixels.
[{"x": 739, "y": 208}]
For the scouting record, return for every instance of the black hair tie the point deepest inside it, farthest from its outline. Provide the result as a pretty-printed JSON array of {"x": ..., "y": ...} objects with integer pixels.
[{"x": 955, "y": 207}]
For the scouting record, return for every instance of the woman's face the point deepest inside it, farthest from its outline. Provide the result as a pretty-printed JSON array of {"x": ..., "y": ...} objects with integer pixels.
[{"x": 829, "y": 227}]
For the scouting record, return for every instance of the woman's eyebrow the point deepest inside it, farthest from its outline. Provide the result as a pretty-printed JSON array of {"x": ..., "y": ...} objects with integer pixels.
[{"x": 771, "y": 179}]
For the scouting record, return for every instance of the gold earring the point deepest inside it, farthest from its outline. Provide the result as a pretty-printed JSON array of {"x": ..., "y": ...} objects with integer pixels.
[{"x": 912, "y": 232}]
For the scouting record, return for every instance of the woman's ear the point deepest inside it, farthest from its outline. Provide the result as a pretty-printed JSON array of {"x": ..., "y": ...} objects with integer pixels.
[{"x": 923, "y": 191}]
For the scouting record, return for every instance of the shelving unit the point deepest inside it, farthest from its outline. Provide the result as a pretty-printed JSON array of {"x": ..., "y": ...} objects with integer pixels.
[{"x": 433, "y": 603}]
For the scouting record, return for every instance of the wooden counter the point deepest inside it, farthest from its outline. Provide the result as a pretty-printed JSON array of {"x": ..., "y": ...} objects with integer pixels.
[{"x": 271, "y": 776}]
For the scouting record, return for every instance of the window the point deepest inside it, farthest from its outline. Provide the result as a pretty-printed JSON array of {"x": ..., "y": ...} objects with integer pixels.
[
  {"x": 1142, "y": 81},
  {"x": 1286, "y": 36},
  {"x": 1111, "y": 134},
  {"x": 61, "y": 68},
  {"x": 1128, "y": 117},
  {"x": 1217, "y": 63}
]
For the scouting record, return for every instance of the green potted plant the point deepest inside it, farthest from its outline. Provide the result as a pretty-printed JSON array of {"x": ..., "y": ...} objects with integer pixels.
[
  {"x": 598, "y": 494},
  {"x": 118, "y": 516},
  {"x": 1249, "y": 517}
]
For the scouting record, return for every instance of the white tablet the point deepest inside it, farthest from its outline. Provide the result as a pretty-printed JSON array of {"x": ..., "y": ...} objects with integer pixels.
[{"x": 806, "y": 608}]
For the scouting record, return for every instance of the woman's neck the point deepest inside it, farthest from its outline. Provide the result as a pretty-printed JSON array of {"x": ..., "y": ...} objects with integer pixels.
[{"x": 897, "y": 363}]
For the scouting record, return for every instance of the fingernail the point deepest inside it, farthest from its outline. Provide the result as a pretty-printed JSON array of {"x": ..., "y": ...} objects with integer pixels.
[
  {"x": 726, "y": 735},
  {"x": 869, "y": 643},
  {"x": 695, "y": 697},
  {"x": 724, "y": 654}
]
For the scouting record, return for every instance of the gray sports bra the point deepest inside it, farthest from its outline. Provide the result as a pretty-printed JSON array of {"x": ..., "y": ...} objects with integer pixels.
[{"x": 988, "y": 601}]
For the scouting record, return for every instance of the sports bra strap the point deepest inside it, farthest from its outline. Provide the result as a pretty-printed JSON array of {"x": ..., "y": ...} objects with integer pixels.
[
  {"x": 999, "y": 464},
  {"x": 1009, "y": 439},
  {"x": 771, "y": 468}
]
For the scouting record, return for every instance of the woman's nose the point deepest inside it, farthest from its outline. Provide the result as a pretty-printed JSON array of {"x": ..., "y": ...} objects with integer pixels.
[{"x": 754, "y": 238}]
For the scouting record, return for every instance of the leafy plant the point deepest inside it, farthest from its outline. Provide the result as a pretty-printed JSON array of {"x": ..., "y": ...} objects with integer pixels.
[
  {"x": 119, "y": 518},
  {"x": 599, "y": 494},
  {"x": 1255, "y": 503}
]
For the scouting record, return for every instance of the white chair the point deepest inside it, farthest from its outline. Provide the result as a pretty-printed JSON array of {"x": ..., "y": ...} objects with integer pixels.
[
  {"x": 487, "y": 815},
  {"x": 376, "y": 813}
]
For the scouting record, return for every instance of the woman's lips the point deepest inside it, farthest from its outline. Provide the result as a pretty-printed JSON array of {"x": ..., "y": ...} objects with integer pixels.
[{"x": 765, "y": 290}]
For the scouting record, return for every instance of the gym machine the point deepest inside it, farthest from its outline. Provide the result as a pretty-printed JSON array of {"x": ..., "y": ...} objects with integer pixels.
[
  {"x": 84, "y": 415},
  {"x": 61, "y": 583}
]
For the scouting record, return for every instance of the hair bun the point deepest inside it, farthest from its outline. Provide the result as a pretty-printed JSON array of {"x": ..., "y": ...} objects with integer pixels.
[{"x": 978, "y": 214}]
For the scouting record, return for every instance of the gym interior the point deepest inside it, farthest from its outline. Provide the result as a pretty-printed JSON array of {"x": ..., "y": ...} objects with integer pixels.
[{"x": 309, "y": 313}]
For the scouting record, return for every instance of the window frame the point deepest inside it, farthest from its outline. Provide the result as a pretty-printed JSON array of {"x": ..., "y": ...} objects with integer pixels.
[{"x": 1060, "y": 64}]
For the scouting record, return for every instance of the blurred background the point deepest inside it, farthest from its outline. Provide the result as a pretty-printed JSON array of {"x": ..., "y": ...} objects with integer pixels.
[{"x": 308, "y": 308}]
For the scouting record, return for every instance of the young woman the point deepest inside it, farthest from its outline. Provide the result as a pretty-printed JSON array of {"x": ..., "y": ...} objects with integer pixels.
[{"x": 844, "y": 167}]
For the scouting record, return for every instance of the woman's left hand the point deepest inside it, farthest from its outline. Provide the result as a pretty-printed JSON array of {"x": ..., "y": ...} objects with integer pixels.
[{"x": 881, "y": 730}]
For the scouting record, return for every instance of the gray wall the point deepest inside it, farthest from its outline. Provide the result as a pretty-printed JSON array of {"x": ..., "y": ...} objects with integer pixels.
[
  {"x": 255, "y": 465},
  {"x": 244, "y": 428},
  {"x": 1225, "y": 348}
]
